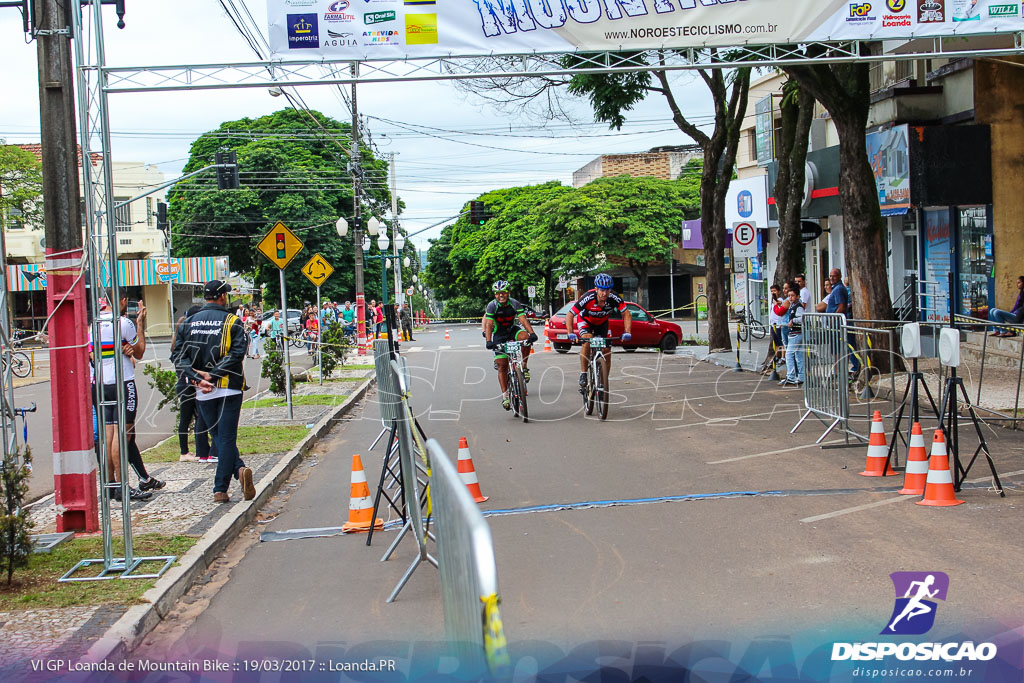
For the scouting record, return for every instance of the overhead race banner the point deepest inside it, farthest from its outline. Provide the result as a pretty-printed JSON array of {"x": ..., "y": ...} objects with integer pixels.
[{"x": 395, "y": 29}]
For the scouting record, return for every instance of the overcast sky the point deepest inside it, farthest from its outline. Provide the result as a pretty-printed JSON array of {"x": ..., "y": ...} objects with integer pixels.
[{"x": 450, "y": 146}]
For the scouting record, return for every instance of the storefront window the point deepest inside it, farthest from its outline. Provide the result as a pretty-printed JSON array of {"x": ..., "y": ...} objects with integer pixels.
[
  {"x": 974, "y": 261},
  {"x": 937, "y": 265}
]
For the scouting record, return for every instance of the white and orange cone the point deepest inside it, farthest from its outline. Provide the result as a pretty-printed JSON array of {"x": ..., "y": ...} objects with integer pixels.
[
  {"x": 916, "y": 474},
  {"x": 447, "y": 335},
  {"x": 468, "y": 472},
  {"x": 878, "y": 452},
  {"x": 938, "y": 490},
  {"x": 547, "y": 344},
  {"x": 360, "y": 507}
]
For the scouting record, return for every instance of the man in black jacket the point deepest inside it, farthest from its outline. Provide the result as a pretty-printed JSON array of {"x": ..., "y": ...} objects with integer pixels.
[{"x": 213, "y": 349}]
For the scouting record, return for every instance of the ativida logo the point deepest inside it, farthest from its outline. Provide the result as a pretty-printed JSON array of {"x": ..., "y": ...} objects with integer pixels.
[{"x": 916, "y": 593}]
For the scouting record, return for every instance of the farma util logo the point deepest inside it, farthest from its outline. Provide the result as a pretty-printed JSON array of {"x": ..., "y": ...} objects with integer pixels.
[{"x": 913, "y": 613}]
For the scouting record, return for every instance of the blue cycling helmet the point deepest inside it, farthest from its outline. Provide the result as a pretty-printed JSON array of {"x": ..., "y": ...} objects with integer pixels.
[{"x": 603, "y": 281}]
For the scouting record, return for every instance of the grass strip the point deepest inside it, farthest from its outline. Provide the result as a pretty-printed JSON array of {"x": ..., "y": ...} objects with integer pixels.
[
  {"x": 303, "y": 400},
  {"x": 251, "y": 441},
  {"x": 36, "y": 586}
]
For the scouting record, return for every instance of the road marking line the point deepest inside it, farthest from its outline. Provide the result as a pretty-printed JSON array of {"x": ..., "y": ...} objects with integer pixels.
[
  {"x": 415, "y": 349},
  {"x": 868, "y": 506},
  {"x": 474, "y": 346},
  {"x": 857, "y": 508},
  {"x": 781, "y": 450},
  {"x": 444, "y": 348}
]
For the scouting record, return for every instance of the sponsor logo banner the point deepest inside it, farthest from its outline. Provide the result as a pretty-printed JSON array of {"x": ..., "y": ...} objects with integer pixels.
[{"x": 471, "y": 27}]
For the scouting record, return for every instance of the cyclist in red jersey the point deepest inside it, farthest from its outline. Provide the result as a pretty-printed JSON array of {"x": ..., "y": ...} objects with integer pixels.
[{"x": 588, "y": 317}]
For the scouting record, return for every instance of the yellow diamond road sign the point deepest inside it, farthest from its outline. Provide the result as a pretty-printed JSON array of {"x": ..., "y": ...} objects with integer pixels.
[
  {"x": 280, "y": 245},
  {"x": 317, "y": 270}
]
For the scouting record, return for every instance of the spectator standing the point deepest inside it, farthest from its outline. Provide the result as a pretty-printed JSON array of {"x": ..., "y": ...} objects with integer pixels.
[
  {"x": 805, "y": 293},
  {"x": 794, "y": 352},
  {"x": 777, "y": 309},
  {"x": 131, "y": 345},
  {"x": 187, "y": 405},
  {"x": 371, "y": 318},
  {"x": 213, "y": 352},
  {"x": 406, "y": 319},
  {"x": 839, "y": 302},
  {"x": 1014, "y": 316}
]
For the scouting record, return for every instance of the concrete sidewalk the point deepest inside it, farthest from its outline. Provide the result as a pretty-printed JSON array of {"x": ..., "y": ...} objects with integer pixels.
[{"x": 183, "y": 507}]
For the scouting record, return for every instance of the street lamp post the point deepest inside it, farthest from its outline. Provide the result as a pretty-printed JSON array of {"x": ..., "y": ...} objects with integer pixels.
[
  {"x": 372, "y": 227},
  {"x": 385, "y": 259}
]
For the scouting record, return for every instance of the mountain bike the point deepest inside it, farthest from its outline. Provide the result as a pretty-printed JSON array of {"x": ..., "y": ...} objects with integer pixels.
[
  {"x": 516, "y": 382},
  {"x": 21, "y": 364},
  {"x": 748, "y": 323},
  {"x": 596, "y": 391}
]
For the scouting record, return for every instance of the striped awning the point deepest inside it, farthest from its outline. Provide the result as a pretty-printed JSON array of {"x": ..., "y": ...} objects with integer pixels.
[{"x": 130, "y": 273}]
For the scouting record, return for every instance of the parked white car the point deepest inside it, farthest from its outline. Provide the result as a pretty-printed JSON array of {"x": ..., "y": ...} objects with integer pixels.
[{"x": 294, "y": 318}]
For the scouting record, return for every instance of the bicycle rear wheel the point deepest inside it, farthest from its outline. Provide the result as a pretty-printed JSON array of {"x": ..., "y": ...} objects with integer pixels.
[
  {"x": 521, "y": 391},
  {"x": 21, "y": 365},
  {"x": 602, "y": 387},
  {"x": 757, "y": 329},
  {"x": 741, "y": 331}
]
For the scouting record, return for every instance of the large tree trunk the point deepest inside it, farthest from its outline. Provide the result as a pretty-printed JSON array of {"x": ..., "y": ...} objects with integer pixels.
[
  {"x": 797, "y": 114},
  {"x": 719, "y": 153},
  {"x": 844, "y": 90},
  {"x": 642, "y": 289}
]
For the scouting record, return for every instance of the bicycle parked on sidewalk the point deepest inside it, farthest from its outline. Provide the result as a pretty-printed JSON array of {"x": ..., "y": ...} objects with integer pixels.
[
  {"x": 516, "y": 380},
  {"x": 20, "y": 363},
  {"x": 750, "y": 324}
]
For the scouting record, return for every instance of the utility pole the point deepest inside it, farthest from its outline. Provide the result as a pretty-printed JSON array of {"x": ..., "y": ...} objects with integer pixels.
[
  {"x": 356, "y": 223},
  {"x": 74, "y": 465},
  {"x": 399, "y": 296}
]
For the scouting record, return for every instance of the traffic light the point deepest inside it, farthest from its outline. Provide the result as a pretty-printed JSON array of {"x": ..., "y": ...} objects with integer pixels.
[
  {"x": 227, "y": 175},
  {"x": 476, "y": 213},
  {"x": 161, "y": 216},
  {"x": 281, "y": 253}
]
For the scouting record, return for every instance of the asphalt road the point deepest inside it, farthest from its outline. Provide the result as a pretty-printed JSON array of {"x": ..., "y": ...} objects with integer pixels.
[
  {"x": 764, "y": 535},
  {"x": 152, "y": 425}
]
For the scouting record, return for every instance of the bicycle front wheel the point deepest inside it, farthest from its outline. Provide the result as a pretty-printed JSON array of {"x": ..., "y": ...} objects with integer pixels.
[
  {"x": 602, "y": 387},
  {"x": 741, "y": 332},
  {"x": 757, "y": 329},
  {"x": 521, "y": 392},
  {"x": 588, "y": 393},
  {"x": 21, "y": 365}
]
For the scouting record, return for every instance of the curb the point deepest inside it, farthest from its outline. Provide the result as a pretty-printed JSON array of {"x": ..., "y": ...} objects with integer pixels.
[{"x": 139, "y": 620}]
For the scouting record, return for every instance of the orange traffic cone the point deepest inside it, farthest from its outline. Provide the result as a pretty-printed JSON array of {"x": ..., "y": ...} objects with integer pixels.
[
  {"x": 468, "y": 472},
  {"x": 547, "y": 345},
  {"x": 916, "y": 473},
  {"x": 938, "y": 490},
  {"x": 877, "y": 450},
  {"x": 447, "y": 335},
  {"x": 360, "y": 507}
]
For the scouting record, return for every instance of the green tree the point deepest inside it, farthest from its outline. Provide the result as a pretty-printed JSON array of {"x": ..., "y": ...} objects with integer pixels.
[
  {"x": 612, "y": 96},
  {"x": 626, "y": 220},
  {"x": 15, "y": 522},
  {"x": 293, "y": 170},
  {"x": 21, "y": 187},
  {"x": 844, "y": 89}
]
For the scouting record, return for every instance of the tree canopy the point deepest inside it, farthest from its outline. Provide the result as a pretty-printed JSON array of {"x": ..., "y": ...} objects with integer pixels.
[
  {"x": 21, "y": 187},
  {"x": 538, "y": 232},
  {"x": 294, "y": 170}
]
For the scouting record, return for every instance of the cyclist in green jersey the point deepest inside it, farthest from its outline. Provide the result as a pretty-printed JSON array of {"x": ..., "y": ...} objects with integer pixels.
[{"x": 504, "y": 321}]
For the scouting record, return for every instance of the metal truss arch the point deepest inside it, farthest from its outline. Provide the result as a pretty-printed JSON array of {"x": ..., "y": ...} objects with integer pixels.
[{"x": 271, "y": 73}]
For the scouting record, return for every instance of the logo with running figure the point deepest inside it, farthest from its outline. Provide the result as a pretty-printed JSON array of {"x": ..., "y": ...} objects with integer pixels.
[{"x": 916, "y": 593}]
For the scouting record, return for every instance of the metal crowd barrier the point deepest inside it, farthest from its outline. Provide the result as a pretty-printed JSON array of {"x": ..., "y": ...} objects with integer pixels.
[
  {"x": 469, "y": 574},
  {"x": 826, "y": 389},
  {"x": 407, "y": 446}
]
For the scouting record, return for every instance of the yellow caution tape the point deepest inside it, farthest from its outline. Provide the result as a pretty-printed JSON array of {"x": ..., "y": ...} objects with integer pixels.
[{"x": 495, "y": 644}]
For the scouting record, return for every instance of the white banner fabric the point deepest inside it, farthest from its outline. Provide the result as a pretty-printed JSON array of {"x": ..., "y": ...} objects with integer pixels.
[{"x": 397, "y": 29}]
